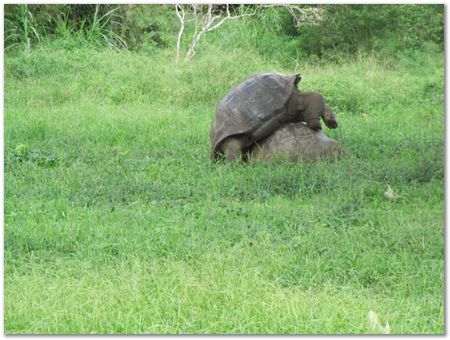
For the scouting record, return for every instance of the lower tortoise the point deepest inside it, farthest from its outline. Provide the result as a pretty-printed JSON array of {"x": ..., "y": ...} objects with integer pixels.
[{"x": 294, "y": 142}]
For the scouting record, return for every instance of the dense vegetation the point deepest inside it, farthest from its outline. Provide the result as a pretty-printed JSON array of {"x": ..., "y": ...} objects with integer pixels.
[
  {"x": 340, "y": 30},
  {"x": 116, "y": 221}
]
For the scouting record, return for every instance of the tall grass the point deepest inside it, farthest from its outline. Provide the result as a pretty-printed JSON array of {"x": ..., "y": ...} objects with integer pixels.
[
  {"x": 97, "y": 33},
  {"x": 21, "y": 30}
]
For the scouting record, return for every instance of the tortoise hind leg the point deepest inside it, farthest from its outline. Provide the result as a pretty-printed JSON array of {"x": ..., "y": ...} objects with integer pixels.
[{"x": 233, "y": 147}]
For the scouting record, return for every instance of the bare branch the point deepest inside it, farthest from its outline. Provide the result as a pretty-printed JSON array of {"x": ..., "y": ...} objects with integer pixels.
[
  {"x": 180, "y": 33},
  {"x": 302, "y": 16},
  {"x": 229, "y": 18},
  {"x": 190, "y": 53},
  {"x": 209, "y": 12},
  {"x": 196, "y": 19},
  {"x": 213, "y": 19},
  {"x": 204, "y": 23}
]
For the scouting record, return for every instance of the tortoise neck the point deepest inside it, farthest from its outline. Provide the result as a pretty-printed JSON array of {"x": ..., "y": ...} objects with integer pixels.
[{"x": 294, "y": 101}]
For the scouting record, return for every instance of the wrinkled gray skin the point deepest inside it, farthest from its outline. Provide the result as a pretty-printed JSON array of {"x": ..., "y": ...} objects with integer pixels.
[
  {"x": 295, "y": 141},
  {"x": 308, "y": 107}
]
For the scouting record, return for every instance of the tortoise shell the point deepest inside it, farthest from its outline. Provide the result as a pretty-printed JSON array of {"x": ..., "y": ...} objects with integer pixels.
[
  {"x": 247, "y": 106},
  {"x": 295, "y": 141}
]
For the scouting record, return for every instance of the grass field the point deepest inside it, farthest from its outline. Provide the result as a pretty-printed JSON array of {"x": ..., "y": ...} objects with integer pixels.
[{"x": 116, "y": 221}]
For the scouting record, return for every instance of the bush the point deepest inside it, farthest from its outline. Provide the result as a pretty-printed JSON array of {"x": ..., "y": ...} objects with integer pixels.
[
  {"x": 342, "y": 31},
  {"x": 388, "y": 28},
  {"x": 130, "y": 26}
]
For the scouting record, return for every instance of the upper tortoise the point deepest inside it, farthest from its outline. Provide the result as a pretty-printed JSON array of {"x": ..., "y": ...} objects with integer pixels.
[{"x": 253, "y": 110}]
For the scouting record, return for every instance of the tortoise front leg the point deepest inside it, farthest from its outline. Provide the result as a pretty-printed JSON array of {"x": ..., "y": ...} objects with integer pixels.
[
  {"x": 310, "y": 106},
  {"x": 268, "y": 127},
  {"x": 329, "y": 118}
]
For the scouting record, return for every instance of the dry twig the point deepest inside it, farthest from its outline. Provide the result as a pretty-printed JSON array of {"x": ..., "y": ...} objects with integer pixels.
[
  {"x": 204, "y": 23},
  {"x": 180, "y": 33}
]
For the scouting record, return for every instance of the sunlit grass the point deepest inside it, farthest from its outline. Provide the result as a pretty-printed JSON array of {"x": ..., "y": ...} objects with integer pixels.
[{"x": 117, "y": 222}]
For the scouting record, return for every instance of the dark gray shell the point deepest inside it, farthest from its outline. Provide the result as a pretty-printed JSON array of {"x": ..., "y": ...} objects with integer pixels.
[
  {"x": 295, "y": 141},
  {"x": 246, "y": 107}
]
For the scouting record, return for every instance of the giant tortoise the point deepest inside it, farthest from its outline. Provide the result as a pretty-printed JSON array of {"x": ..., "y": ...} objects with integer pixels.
[
  {"x": 253, "y": 110},
  {"x": 295, "y": 141}
]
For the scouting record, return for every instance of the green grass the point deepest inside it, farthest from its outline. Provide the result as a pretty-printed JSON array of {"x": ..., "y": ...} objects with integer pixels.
[{"x": 117, "y": 222}]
